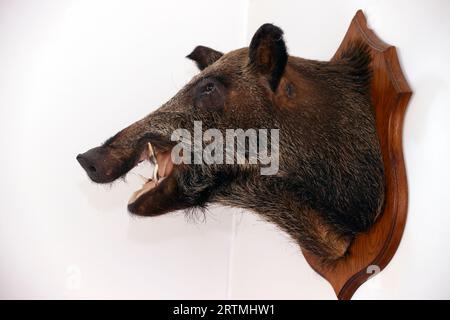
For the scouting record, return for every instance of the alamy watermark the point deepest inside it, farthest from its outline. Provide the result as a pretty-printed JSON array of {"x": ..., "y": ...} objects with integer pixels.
[{"x": 238, "y": 146}]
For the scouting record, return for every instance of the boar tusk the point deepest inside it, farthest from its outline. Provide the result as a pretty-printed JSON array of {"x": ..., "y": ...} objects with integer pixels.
[
  {"x": 155, "y": 173},
  {"x": 152, "y": 158},
  {"x": 151, "y": 153}
]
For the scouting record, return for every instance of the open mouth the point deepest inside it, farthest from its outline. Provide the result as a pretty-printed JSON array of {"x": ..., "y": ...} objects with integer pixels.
[
  {"x": 160, "y": 193},
  {"x": 162, "y": 169}
]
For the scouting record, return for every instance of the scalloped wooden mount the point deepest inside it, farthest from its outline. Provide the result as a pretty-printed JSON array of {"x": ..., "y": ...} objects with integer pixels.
[{"x": 370, "y": 252}]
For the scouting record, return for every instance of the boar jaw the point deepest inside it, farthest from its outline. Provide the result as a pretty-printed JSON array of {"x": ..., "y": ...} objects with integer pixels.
[{"x": 163, "y": 167}]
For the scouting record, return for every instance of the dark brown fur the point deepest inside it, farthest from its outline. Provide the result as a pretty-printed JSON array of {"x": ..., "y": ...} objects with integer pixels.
[{"x": 330, "y": 184}]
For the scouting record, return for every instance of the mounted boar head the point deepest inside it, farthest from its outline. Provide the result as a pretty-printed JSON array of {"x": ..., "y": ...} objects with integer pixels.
[{"x": 328, "y": 184}]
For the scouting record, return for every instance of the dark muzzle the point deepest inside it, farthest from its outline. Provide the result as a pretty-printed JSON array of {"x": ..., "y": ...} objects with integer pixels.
[{"x": 98, "y": 164}]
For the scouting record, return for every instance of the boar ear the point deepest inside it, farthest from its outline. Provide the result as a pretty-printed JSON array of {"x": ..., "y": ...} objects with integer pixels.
[
  {"x": 268, "y": 54},
  {"x": 204, "y": 56}
]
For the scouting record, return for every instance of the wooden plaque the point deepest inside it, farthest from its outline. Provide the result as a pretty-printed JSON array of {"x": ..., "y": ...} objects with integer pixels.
[{"x": 371, "y": 252}]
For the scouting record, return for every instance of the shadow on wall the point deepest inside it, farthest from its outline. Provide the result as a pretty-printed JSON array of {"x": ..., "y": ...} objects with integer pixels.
[
  {"x": 179, "y": 225},
  {"x": 99, "y": 199},
  {"x": 159, "y": 229},
  {"x": 420, "y": 109}
]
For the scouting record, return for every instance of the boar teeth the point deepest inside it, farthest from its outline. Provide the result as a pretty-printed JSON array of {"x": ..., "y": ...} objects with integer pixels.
[
  {"x": 151, "y": 153},
  {"x": 152, "y": 158},
  {"x": 143, "y": 178},
  {"x": 155, "y": 173}
]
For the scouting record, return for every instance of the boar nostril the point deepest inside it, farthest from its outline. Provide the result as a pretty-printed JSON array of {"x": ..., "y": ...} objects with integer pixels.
[{"x": 86, "y": 163}]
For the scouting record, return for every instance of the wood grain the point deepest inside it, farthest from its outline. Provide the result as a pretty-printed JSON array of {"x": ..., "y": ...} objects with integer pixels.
[{"x": 371, "y": 252}]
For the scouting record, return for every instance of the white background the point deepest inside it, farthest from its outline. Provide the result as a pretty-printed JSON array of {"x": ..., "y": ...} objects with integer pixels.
[{"x": 72, "y": 73}]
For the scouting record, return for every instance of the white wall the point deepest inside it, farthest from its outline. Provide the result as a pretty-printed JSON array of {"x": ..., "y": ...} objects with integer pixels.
[
  {"x": 75, "y": 72},
  {"x": 265, "y": 263},
  {"x": 72, "y": 74}
]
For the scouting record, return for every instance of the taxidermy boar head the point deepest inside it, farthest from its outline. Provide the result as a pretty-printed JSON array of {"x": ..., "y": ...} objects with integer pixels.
[{"x": 327, "y": 184}]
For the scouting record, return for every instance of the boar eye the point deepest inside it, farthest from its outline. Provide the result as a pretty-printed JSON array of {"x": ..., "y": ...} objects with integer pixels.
[
  {"x": 210, "y": 95},
  {"x": 208, "y": 88}
]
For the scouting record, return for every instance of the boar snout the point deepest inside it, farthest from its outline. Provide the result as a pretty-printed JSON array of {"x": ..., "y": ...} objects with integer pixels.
[{"x": 98, "y": 164}]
